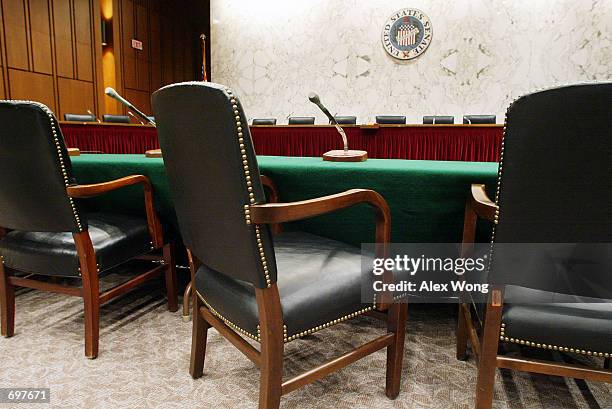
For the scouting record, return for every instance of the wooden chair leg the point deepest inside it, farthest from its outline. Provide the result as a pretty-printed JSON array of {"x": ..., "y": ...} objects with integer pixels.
[
  {"x": 395, "y": 352},
  {"x": 91, "y": 292},
  {"x": 171, "y": 288},
  {"x": 198, "y": 341},
  {"x": 186, "y": 298},
  {"x": 91, "y": 298},
  {"x": 272, "y": 347},
  {"x": 7, "y": 304},
  {"x": 462, "y": 334},
  {"x": 488, "y": 352}
]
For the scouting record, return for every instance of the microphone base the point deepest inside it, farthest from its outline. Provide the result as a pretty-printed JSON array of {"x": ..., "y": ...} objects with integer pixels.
[
  {"x": 154, "y": 153},
  {"x": 345, "y": 156}
]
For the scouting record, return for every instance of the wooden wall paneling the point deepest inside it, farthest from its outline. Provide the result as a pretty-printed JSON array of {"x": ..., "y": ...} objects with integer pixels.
[
  {"x": 3, "y": 93},
  {"x": 62, "y": 26},
  {"x": 32, "y": 86},
  {"x": 40, "y": 36},
  {"x": 167, "y": 50},
  {"x": 16, "y": 34},
  {"x": 188, "y": 63},
  {"x": 128, "y": 54},
  {"x": 83, "y": 31},
  {"x": 140, "y": 99},
  {"x": 155, "y": 48},
  {"x": 75, "y": 97},
  {"x": 142, "y": 56},
  {"x": 97, "y": 53},
  {"x": 179, "y": 52}
]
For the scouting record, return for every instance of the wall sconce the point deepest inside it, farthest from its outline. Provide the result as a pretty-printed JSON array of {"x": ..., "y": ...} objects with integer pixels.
[{"x": 107, "y": 33}]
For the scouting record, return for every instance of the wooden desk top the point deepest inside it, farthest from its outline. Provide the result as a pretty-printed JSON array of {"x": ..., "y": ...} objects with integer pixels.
[{"x": 362, "y": 126}]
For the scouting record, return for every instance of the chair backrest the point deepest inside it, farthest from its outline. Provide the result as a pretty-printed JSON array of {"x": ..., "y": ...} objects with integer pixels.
[
  {"x": 301, "y": 120},
  {"x": 214, "y": 177},
  {"x": 79, "y": 118},
  {"x": 555, "y": 186},
  {"x": 391, "y": 119},
  {"x": 479, "y": 119},
  {"x": 346, "y": 120},
  {"x": 119, "y": 119},
  {"x": 264, "y": 121},
  {"x": 431, "y": 119},
  {"x": 34, "y": 171}
]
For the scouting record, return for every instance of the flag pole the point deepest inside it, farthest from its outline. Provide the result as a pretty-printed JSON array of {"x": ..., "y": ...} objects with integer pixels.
[{"x": 204, "y": 75}]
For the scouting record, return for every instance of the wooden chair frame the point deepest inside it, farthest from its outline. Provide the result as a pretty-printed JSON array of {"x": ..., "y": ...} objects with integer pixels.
[
  {"x": 90, "y": 289},
  {"x": 486, "y": 348},
  {"x": 270, "y": 356}
]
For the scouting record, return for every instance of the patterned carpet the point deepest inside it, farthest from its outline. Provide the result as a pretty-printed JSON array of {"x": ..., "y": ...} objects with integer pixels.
[{"x": 144, "y": 359}]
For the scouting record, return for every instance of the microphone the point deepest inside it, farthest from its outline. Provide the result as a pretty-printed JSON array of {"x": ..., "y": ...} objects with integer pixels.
[
  {"x": 113, "y": 94},
  {"x": 314, "y": 98}
]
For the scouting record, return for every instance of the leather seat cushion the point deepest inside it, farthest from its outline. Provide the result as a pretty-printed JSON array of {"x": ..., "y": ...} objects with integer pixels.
[
  {"x": 115, "y": 238},
  {"x": 319, "y": 281},
  {"x": 558, "y": 320}
]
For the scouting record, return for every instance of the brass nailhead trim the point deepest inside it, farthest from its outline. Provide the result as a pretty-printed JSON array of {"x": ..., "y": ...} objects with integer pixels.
[
  {"x": 52, "y": 123},
  {"x": 249, "y": 185},
  {"x": 228, "y": 322},
  {"x": 504, "y": 337},
  {"x": 330, "y": 323}
]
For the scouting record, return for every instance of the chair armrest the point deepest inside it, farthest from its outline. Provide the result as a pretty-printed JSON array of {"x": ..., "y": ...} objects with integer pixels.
[
  {"x": 477, "y": 205},
  {"x": 273, "y": 196},
  {"x": 96, "y": 189},
  {"x": 482, "y": 205},
  {"x": 268, "y": 183},
  {"x": 286, "y": 212}
]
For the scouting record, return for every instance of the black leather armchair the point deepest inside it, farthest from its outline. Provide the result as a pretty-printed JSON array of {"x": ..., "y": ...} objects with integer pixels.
[
  {"x": 116, "y": 119},
  {"x": 554, "y": 188},
  {"x": 45, "y": 232},
  {"x": 249, "y": 284},
  {"x": 429, "y": 119},
  {"x": 80, "y": 118},
  {"x": 479, "y": 119},
  {"x": 301, "y": 120},
  {"x": 391, "y": 119},
  {"x": 346, "y": 120},
  {"x": 264, "y": 121}
]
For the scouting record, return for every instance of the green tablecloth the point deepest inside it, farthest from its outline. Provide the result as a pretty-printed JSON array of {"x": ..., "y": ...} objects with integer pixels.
[{"x": 426, "y": 198}]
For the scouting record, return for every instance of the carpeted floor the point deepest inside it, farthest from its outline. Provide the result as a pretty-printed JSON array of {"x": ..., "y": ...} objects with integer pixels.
[{"x": 144, "y": 359}]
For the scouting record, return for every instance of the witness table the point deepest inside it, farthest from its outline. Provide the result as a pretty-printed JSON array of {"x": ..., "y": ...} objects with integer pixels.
[
  {"x": 426, "y": 198},
  {"x": 478, "y": 143}
]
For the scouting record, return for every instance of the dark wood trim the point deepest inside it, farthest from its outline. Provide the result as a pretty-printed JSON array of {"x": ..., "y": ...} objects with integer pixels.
[
  {"x": 7, "y": 303},
  {"x": 130, "y": 284},
  {"x": 555, "y": 369},
  {"x": 488, "y": 351},
  {"x": 336, "y": 364},
  {"x": 482, "y": 205},
  {"x": 396, "y": 326},
  {"x": 170, "y": 277},
  {"x": 199, "y": 335},
  {"x": 86, "y": 191},
  {"x": 45, "y": 286},
  {"x": 272, "y": 346},
  {"x": 273, "y": 196},
  {"x": 91, "y": 292}
]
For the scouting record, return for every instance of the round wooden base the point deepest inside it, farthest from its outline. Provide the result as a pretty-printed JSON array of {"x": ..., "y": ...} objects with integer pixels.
[
  {"x": 154, "y": 153},
  {"x": 345, "y": 156}
]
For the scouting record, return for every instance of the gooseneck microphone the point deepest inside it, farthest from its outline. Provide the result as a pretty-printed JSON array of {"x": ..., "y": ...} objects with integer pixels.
[
  {"x": 113, "y": 94},
  {"x": 314, "y": 98}
]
